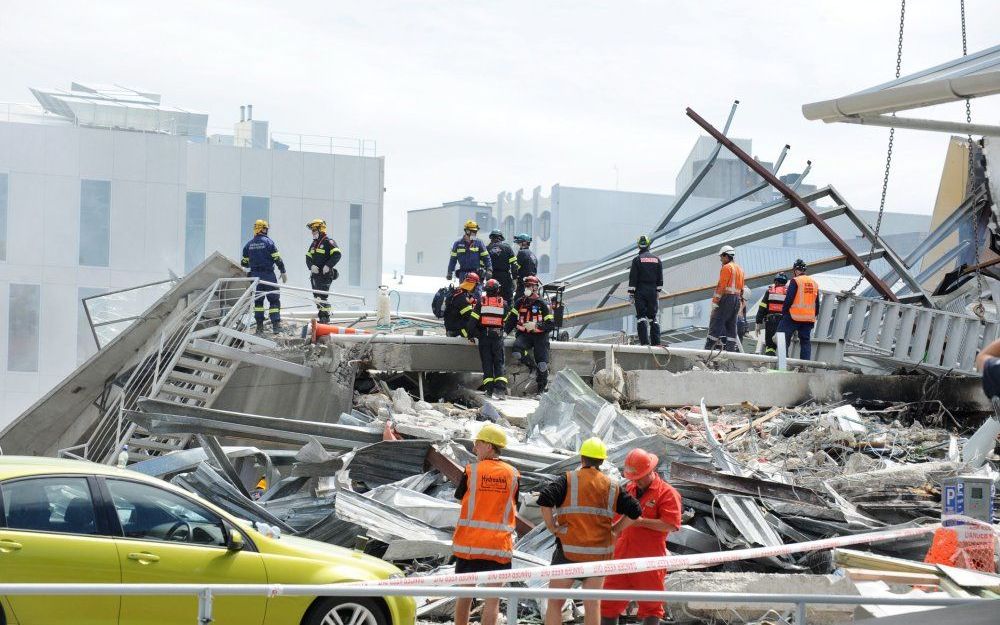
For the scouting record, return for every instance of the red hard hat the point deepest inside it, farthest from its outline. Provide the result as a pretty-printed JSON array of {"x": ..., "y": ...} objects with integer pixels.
[
  {"x": 639, "y": 463},
  {"x": 472, "y": 277}
]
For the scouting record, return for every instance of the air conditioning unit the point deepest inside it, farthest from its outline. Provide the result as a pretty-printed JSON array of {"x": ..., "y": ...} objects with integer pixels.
[{"x": 688, "y": 311}]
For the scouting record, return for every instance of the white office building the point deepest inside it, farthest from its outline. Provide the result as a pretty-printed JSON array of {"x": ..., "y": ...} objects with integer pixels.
[{"x": 105, "y": 188}]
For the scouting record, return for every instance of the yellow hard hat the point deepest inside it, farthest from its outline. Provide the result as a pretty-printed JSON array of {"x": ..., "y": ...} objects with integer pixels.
[
  {"x": 259, "y": 226},
  {"x": 594, "y": 448},
  {"x": 315, "y": 224},
  {"x": 491, "y": 433},
  {"x": 472, "y": 225},
  {"x": 262, "y": 484}
]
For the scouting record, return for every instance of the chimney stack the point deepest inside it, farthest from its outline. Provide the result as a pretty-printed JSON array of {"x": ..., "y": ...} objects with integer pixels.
[
  {"x": 243, "y": 112},
  {"x": 249, "y": 112}
]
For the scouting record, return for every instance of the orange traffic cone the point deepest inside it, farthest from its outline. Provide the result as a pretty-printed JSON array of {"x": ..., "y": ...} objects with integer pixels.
[{"x": 323, "y": 329}]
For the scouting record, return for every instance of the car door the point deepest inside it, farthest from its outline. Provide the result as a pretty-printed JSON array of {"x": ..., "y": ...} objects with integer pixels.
[
  {"x": 167, "y": 538},
  {"x": 50, "y": 531}
]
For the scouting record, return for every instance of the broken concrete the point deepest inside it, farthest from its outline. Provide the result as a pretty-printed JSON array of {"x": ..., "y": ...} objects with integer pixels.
[
  {"x": 656, "y": 389},
  {"x": 749, "y": 583}
]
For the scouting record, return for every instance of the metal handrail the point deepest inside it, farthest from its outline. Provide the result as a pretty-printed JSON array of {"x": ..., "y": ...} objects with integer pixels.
[{"x": 206, "y": 593}]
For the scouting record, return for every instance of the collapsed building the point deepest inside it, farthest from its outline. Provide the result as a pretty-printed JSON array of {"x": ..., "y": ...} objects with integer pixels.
[{"x": 361, "y": 436}]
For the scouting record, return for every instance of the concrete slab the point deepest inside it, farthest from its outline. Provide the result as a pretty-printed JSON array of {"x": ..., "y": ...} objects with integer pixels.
[{"x": 656, "y": 389}]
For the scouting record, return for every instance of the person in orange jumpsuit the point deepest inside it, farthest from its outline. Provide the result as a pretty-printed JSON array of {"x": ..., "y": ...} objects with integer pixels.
[{"x": 645, "y": 538}]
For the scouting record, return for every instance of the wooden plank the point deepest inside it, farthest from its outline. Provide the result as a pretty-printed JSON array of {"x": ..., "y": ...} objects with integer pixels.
[
  {"x": 892, "y": 577},
  {"x": 864, "y": 560}
]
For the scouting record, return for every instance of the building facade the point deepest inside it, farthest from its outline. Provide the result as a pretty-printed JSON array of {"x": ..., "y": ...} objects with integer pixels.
[{"x": 91, "y": 204}]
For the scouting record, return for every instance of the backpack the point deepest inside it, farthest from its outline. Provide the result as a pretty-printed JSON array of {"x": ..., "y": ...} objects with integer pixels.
[{"x": 440, "y": 301}]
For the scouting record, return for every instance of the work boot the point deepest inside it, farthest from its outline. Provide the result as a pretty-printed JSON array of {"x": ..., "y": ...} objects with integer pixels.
[
  {"x": 276, "y": 326},
  {"x": 488, "y": 389},
  {"x": 499, "y": 392},
  {"x": 260, "y": 328},
  {"x": 642, "y": 329},
  {"x": 542, "y": 381},
  {"x": 324, "y": 317},
  {"x": 654, "y": 333}
]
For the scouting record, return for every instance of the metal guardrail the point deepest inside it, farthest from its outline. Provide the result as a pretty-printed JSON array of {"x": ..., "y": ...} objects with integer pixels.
[
  {"x": 918, "y": 336},
  {"x": 205, "y": 594}
]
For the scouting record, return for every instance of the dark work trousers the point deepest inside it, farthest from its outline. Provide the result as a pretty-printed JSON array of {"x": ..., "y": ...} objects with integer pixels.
[
  {"x": 266, "y": 291},
  {"x": 722, "y": 327},
  {"x": 771, "y": 322},
  {"x": 538, "y": 345},
  {"x": 506, "y": 286},
  {"x": 646, "y": 306},
  {"x": 804, "y": 330},
  {"x": 491, "y": 355},
  {"x": 322, "y": 282}
]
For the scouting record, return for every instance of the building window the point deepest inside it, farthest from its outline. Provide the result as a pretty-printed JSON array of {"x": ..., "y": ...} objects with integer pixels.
[
  {"x": 3, "y": 216},
  {"x": 508, "y": 227},
  {"x": 22, "y": 327},
  {"x": 251, "y": 209},
  {"x": 526, "y": 224},
  {"x": 545, "y": 226},
  {"x": 95, "y": 223},
  {"x": 543, "y": 264},
  {"x": 788, "y": 238},
  {"x": 420, "y": 258},
  {"x": 354, "y": 251},
  {"x": 194, "y": 231},
  {"x": 86, "y": 345}
]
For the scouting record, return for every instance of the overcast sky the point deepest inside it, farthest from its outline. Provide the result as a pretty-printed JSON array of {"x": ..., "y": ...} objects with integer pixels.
[{"x": 473, "y": 98}]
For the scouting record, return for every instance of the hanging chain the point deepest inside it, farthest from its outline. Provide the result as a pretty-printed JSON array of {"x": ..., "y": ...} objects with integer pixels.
[
  {"x": 979, "y": 309},
  {"x": 888, "y": 152}
]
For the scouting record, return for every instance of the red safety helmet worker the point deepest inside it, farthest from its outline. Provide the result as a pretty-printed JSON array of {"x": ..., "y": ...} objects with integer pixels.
[{"x": 646, "y": 537}]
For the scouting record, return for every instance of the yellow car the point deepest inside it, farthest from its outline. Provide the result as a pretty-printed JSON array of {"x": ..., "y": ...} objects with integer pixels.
[{"x": 70, "y": 521}]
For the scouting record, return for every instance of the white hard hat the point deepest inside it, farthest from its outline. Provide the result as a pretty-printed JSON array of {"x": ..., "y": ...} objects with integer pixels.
[{"x": 728, "y": 250}]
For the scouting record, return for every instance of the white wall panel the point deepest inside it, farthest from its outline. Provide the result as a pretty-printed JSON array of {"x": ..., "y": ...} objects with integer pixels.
[
  {"x": 60, "y": 218},
  {"x": 165, "y": 158},
  {"x": 318, "y": 176},
  {"x": 25, "y": 202},
  {"x": 96, "y": 153},
  {"x": 62, "y": 151},
  {"x": 224, "y": 169},
  {"x": 222, "y": 225},
  {"x": 197, "y": 166},
  {"x": 27, "y": 148},
  {"x": 128, "y": 223},
  {"x": 130, "y": 156},
  {"x": 255, "y": 172}
]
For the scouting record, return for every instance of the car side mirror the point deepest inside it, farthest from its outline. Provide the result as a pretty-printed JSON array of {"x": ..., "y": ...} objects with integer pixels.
[{"x": 235, "y": 542}]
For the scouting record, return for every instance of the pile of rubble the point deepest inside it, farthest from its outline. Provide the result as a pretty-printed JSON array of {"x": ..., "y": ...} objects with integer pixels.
[{"x": 382, "y": 478}]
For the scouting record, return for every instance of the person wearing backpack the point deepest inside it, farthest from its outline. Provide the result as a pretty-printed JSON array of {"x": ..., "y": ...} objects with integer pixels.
[
  {"x": 486, "y": 321},
  {"x": 459, "y": 305}
]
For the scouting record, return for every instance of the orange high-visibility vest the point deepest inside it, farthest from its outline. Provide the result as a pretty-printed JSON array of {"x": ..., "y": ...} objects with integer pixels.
[
  {"x": 485, "y": 528},
  {"x": 588, "y": 511},
  {"x": 731, "y": 281},
  {"x": 803, "y": 307},
  {"x": 776, "y": 298},
  {"x": 491, "y": 312}
]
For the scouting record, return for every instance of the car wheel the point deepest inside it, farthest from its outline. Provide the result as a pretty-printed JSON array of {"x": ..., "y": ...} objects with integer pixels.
[{"x": 346, "y": 611}]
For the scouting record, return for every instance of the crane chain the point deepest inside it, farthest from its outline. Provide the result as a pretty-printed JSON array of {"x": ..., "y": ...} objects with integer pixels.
[
  {"x": 888, "y": 152},
  {"x": 979, "y": 309}
]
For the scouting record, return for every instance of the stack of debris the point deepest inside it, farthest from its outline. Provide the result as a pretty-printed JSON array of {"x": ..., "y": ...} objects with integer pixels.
[{"x": 382, "y": 479}]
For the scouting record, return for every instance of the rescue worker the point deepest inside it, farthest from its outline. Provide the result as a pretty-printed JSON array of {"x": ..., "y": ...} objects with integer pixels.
[
  {"x": 533, "y": 319},
  {"x": 645, "y": 281},
  {"x": 484, "y": 533},
  {"x": 486, "y": 321},
  {"x": 458, "y": 308},
  {"x": 321, "y": 258},
  {"x": 579, "y": 509},
  {"x": 798, "y": 313},
  {"x": 725, "y": 303},
  {"x": 469, "y": 254},
  {"x": 742, "y": 325},
  {"x": 527, "y": 264},
  {"x": 769, "y": 311},
  {"x": 504, "y": 262},
  {"x": 260, "y": 489},
  {"x": 260, "y": 256},
  {"x": 645, "y": 538}
]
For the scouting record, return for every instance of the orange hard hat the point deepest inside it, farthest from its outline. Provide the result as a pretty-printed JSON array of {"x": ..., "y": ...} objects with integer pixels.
[{"x": 639, "y": 463}]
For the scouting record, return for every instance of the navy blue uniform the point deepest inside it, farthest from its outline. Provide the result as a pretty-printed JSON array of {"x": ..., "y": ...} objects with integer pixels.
[
  {"x": 457, "y": 312},
  {"x": 323, "y": 254},
  {"x": 260, "y": 256},
  {"x": 486, "y": 321},
  {"x": 505, "y": 267},
  {"x": 471, "y": 256},
  {"x": 645, "y": 281},
  {"x": 527, "y": 265},
  {"x": 536, "y": 341}
]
